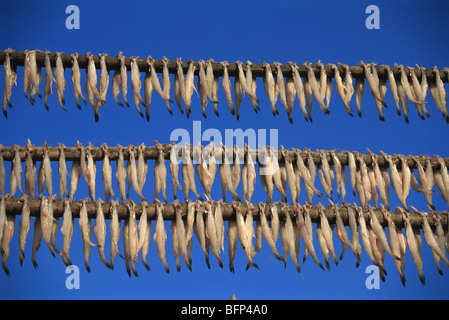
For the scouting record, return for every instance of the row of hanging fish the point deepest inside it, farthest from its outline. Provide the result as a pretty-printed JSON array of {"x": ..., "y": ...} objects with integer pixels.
[
  {"x": 369, "y": 181},
  {"x": 205, "y": 220},
  {"x": 404, "y": 90}
]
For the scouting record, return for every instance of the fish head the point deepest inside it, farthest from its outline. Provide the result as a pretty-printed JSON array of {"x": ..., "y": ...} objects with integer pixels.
[{"x": 159, "y": 147}]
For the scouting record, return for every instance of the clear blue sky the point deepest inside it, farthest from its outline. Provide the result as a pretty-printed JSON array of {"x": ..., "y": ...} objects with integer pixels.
[{"x": 410, "y": 32}]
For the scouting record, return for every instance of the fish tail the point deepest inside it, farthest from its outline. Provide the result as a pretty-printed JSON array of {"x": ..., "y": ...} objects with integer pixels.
[
  {"x": 93, "y": 244},
  {"x": 138, "y": 111},
  {"x": 118, "y": 102},
  {"x": 402, "y": 279},
  {"x": 421, "y": 277},
  {"x": 77, "y": 103},
  {"x": 166, "y": 267},
  {"x": 207, "y": 259},
  {"x": 126, "y": 102},
  {"x": 145, "y": 264},
  {"x": 216, "y": 109},
  {"x": 180, "y": 108},
  {"x": 5, "y": 267},
  {"x": 168, "y": 107},
  {"x": 134, "y": 270},
  {"x": 35, "y": 265}
]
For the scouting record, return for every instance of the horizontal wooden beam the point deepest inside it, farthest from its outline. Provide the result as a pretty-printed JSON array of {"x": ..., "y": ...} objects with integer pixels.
[
  {"x": 112, "y": 63},
  {"x": 73, "y": 153},
  {"x": 14, "y": 206}
]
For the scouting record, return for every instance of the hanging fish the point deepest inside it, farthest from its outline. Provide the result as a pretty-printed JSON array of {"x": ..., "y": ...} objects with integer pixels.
[
  {"x": 188, "y": 174},
  {"x": 86, "y": 230},
  {"x": 133, "y": 240},
  {"x": 62, "y": 170},
  {"x": 373, "y": 83},
  {"x": 314, "y": 85},
  {"x": 10, "y": 80},
  {"x": 60, "y": 80},
  {"x": 280, "y": 88},
  {"x": 232, "y": 235},
  {"x": 107, "y": 174},
  {"x": 120, "y": 173},
  {"x": 380, "y": 182},
  {"x": 299, "y": 88},
  {"x": 36, "y": 75},
  {"x": 24, "y": 227},
  {"x": 442, "y": 93},
  {"x": 115, "y": 233},
  {"x": 413, "y": 245},
  {"x": 396, "y": 180},
  {"x": 160, "y": 173},
  {"x": 27, "y": 82},
  {"x": 213, "y": 85},
  {"x": 181, "y": 233},
  {"x": 211, "y": 232},
  {"x": 341, "y": 88},
  {"x": 226, "y": 82},
  {"x": 104, "y": 84},
  {"x": 67, "y": 232},
  {"x": 116, "y": 84},
  {"x": 165, "y": 84},
  {"x": 420, "y": 94},
  {"x": 48, "y": 78},
  {"x": 8, "y": 232},
  {"x": 270, "y": 87},
  {"x": 76, "y": 80},
  {"x": 160, "y": 236},
  {"x": 393, "y": 87},
  {"x": 190, "y": 86},
  {"x": 252, "y": 84},
  {"x": 142, "y": 166},
  {"x": 179, "y": 86},
  {"x": 30, "y": 171},
  {"x": 136, "y": 84},
  {"x": 132, "y": 174}
]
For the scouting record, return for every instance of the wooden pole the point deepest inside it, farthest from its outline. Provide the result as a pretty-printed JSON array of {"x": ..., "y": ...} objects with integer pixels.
[
  {"x": 73, "y": 153},
  {"x": 14, "y": 206},
  {"x": 112, "y": 63}
]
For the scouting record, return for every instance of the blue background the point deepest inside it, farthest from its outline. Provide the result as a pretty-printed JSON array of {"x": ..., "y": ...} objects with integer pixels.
[{"x": 333, "y": 31}]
